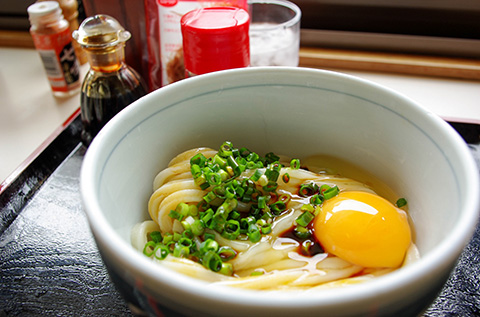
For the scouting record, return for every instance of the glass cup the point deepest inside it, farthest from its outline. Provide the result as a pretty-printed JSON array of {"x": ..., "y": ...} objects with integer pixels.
[{"x": 274, "y": 33}]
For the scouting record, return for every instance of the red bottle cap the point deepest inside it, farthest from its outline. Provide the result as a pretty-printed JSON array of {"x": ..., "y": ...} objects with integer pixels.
[{"x": 215, "y": 39}]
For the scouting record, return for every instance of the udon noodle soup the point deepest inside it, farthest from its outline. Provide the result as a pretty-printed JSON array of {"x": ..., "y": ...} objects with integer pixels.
[{"x": 232, "y": 217}]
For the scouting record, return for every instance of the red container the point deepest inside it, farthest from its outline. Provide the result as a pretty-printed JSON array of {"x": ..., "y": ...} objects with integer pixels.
[{"x": 214, "y": 39}]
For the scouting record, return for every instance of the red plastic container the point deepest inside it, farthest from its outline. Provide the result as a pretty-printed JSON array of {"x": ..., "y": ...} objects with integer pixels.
[{"x": 215, "y": 38}]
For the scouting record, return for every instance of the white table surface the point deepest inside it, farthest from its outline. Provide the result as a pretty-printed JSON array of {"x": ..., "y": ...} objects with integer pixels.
[{"x": 29, "y": 113}]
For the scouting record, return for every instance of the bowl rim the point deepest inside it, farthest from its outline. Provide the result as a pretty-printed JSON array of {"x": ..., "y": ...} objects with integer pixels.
[{"x": 430, "y": 264}]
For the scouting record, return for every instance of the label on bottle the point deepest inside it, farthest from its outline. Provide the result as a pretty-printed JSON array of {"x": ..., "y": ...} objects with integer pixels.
[{"x": 59, "y": 60}]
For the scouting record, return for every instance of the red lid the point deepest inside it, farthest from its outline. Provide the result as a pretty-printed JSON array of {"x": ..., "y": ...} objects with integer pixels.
[{"x": 215, "y": 38}]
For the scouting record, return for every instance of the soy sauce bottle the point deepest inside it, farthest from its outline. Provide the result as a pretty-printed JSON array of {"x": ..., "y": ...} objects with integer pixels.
[{"x": 110, "y": 85}]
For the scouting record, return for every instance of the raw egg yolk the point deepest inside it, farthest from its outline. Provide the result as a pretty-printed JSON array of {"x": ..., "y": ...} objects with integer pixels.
[{"x": 363, "y": 229}]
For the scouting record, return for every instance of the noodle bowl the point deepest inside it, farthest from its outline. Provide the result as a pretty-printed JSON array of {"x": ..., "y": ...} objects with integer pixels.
[{"x": 302, "y": 113}]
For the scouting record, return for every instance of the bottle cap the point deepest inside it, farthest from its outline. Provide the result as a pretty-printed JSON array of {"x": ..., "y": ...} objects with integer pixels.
[
  {"x": 100, "y": 31},
  {"x": 215, "y": 38},
  {"x": 41, "y": 9}
]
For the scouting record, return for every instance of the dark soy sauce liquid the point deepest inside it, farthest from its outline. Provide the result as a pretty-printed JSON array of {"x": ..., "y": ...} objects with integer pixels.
[{"x": 104, "y": 96}]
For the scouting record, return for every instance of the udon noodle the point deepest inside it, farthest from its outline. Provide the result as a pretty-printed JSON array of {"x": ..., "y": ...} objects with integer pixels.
[{"x": 280, "y": 259}]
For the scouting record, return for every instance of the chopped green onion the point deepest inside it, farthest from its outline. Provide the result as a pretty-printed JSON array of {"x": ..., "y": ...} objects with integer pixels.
[
  {"x": 253, "y": 233},
  {"x": 167, "y": 239},
  {"x": 198, "y": 159},
  {"x": 175, "y": 215},
  {"x": 149, "y": 248},
  {"x": 263, "y": 180},
  {"x": 226, "y": 269},
  {"x": 262, "y": 202},
  {"x": 197, "y": 227},
  {"x": 278, "y": 207},
  {"x": 295, "y": 164},
  {"x": 187, "y": 223},
  {"x": 307, "y": 247},
  {"x": 316, "y": 200},
  {"x": 272, "y": 175},
  {"x": 209, "y": 245},
  {"x": 226, "y": 253},
  {"x": 302, "y": 232},
  {"x": 265, "y": 227},
  {"x": 183, "y": 209},
  {"x": 230, "y": 192},
  {"x": 271, "y": 157},
  {"x": 304, "y": 219},
  {"x": 226, "y": 149},
  {"x": 161, "y": 251},
  {"x": 219, "y": 192},
  {"x": 211, "y": 260},
  {"x": 186, "y": 242},
  {"x": 176, "y": 236},
  {"x": 235, "y": 215},
  {"x": 187, "y": 233},
  {"x": 207, "y": 216},
  {"x": 156, "y": 236},
  {"x": 331, "y": 192},
  {"x": 218, "y": 221},
  {"x": 270, "y": 187},
  {"x": 181, "y": 251},
  {"x": 214, "y": 179},
  {"x": 307, "y": 207},
  {"x": 221, "y": 162},
  {"x": 209, "y": 197},
  {"x": 201, "y": 181},
  {"x": 307, "y": 190},
  {"x": 257, "y": 273},
  {"x": 241, "y": 161},
  {"x": 193, "y": 210},
  {"x": 285, "y": 198},
  {"x": 253, "y": 157},
  {"x": 196, "y": 171},
  {"x": 244, "y": 152},
  {"x": 256, "y": 176},
  {"x": 210, "y": 236},
  {"x": 231, "y": 230},
  {"x": 401, "y": 202},
  {"x": 216, "y": 214}
]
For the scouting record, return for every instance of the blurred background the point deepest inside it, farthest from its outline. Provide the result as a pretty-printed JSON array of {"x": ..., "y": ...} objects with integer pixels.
[{"x": 439, "y": 27}]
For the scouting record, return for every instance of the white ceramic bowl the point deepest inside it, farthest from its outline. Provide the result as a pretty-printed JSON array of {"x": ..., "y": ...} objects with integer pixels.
[{"x": 298, "y": 112}]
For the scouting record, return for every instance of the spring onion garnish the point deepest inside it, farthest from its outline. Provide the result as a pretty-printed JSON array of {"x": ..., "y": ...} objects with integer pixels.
[
  {"x": 240, "y": 202},
  {"x": 148, "y": 249},
  {"x": 317, "y": 196},
  {"x": 295, "y": 164},
  {"x": 304, "y": 219},
  {"x": 401, "y": 202}
]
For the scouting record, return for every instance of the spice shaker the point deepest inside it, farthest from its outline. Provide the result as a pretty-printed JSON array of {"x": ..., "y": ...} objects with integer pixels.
[
  {"x": 215, "y": 38},
  {"x": 52, "y": 38},
  {"x": 110, "y": 84},
  {"x": 70, "y": 13}
]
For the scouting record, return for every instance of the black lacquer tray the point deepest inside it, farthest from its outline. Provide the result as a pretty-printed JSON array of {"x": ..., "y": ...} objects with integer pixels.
[{"x": 50, "y": 265}]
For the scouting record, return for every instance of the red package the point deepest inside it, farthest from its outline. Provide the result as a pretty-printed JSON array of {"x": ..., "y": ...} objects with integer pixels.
[{"x": 164, "y": 38}]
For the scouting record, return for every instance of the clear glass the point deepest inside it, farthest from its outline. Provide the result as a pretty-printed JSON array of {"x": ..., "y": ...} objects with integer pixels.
[{"x": 274, "y": 33}]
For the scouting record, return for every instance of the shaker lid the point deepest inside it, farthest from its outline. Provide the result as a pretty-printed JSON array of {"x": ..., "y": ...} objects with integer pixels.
[
  {"x": 40, "y": 9},
  {"x": 100, "y": 31},
  {"x": 215, "y": 38}
]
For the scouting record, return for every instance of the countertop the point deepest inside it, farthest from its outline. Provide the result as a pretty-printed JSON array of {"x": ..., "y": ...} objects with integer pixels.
[{"x": 30, "y": 114}]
